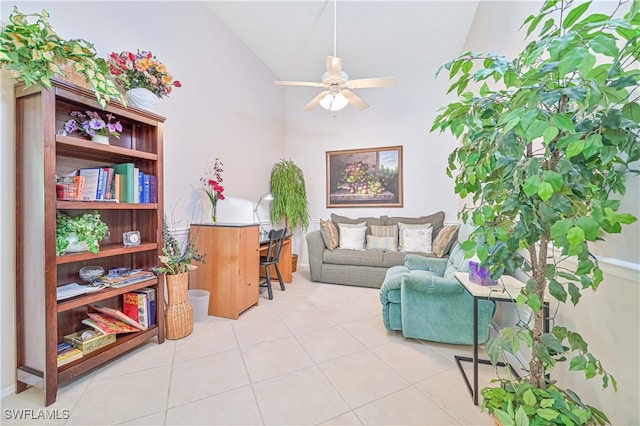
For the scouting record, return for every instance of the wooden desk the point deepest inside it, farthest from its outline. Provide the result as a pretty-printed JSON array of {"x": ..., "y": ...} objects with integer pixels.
[
  {"x": 231, "y": 268},
  {"x": 285, "y": 260}
]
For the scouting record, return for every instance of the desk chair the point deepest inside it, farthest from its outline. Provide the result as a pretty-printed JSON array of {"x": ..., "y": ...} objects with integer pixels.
[{"x": 276, "y": 238}]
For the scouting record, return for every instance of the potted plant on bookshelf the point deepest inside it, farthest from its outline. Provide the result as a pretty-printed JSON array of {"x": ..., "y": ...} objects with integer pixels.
[
  {"x": 145, "y": 79},
  {"x": 178, "y": 261},
  {"x": 34, "y": 54},
  {"x": 545, "y": 145},
  {"x": 90, "y": 123},
  {"x": 79, "y": 233},
  {"x": 289, "y": 203}
]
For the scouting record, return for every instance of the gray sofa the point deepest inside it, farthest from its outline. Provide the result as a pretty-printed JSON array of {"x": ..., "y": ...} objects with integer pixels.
[{"x": 364, "y": 268}]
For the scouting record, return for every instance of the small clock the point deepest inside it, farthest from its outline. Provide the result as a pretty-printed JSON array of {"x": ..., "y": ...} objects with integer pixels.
[{"x": 131, "y": 238}]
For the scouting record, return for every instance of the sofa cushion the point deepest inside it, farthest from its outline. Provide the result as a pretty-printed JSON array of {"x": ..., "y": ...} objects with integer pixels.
[
  {"x": 417, "y": 240},
  {"x": 393, "y": 258},
  {"x": 436, "y": 220},
  {"x": 340, "y": 256},
  {"x": 337, "y": 219},
  {"x": 329, "y": 234},
  {"x": 445, "y": 240},
  {"x": 352, "y": 237},
  {"x": 402, "y": 226},
  {"x": 384, "y": 231},
  {"x": 382, "y": 243}
]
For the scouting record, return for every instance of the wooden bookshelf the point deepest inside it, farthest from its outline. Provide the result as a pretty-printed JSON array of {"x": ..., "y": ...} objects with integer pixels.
[{"x": 41, "y": 154}]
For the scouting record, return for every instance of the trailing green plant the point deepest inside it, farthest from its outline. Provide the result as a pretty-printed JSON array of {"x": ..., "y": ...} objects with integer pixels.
[
  {"x": 87, "y": 226},
  {"x": 178, "y": 258},
  {"x": 546, "y": 143},
  {"x": 289, "y": 195},
  {"x": 523, "y": 403},
  {"x": 34, "y": 53}
]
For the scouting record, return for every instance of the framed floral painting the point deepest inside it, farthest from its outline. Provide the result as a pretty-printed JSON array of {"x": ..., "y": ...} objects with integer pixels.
[{"x": 370, "y": 177}]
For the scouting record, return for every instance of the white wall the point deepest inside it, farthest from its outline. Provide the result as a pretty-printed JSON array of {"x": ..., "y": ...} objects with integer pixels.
[
  {"x": 401, "y": 115},
  {"x": 608, "y": 319},
  {"x": 227, "y": 108}
]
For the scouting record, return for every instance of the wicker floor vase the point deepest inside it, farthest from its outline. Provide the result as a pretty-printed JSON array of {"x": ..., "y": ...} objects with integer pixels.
[{"x": 179, "y": 312}]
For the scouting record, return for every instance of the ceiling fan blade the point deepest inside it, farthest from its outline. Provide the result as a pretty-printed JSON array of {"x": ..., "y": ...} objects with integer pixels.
[
  {"x": 363, "y": 83},
  {"x": 298, "y": 83},
  {"x": 334, "y": 67},
  {"x": 355, "y": 100},
  {"x": 315, "y": 101}
]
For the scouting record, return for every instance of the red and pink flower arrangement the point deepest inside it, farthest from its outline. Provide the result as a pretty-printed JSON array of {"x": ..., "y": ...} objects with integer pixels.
[
  {"x": 142, "y": 69},
  {"x": 213, "y": 187}
]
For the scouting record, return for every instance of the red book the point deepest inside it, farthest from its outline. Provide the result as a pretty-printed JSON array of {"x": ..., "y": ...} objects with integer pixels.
[{"x": 135, "y": 307}]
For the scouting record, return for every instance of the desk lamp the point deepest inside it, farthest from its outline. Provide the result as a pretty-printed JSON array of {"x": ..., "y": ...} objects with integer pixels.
[{"x": 267, "y": 197}]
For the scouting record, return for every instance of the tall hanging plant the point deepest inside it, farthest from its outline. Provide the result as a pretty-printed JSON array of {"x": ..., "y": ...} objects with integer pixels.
[
  {"x": 546, "y": 144},
  {"x": 289, "y": 195}
]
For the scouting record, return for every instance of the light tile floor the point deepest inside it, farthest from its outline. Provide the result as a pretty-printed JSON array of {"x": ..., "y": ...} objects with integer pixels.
[{"x": 315, "y": 354}]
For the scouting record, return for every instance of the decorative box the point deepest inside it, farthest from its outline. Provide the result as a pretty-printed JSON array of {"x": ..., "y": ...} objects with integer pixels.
[
  {"x": 480, "y": 275},
  {"x": 91, "y": 344}
]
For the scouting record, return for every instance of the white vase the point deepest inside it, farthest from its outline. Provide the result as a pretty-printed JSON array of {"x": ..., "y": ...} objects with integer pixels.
[
  {"x": 100, "y": 139},
  {"x": 75, "y": 246},
  {"x": 142, "y": 98}
]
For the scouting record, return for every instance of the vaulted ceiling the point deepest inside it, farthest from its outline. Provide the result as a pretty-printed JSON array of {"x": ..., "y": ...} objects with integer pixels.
[{"x": 373, "y": 37}]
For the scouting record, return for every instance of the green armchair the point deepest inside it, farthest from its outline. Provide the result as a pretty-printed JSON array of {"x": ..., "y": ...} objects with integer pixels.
[{"x": 424, "y": 300}]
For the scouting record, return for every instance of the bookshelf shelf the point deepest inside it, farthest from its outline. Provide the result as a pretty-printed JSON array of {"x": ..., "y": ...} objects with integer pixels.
[
  {"x": 107, "y": 250},
  {"x": 124, "y": 342},
  {"x": 79, "y": 301},
  {"x": 103, "y": 205},
  {"x": 41, "y": 155},
  {"x": 69, "y": 146}
]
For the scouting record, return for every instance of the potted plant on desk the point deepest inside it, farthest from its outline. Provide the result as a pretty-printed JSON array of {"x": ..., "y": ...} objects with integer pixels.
[
  {"x": 178, "y": 262},
  {"x": 542, "y": 153},
  {"x": 289, "y": 203}
]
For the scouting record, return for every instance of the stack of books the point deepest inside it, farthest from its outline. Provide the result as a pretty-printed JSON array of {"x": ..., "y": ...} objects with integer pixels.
[{"x": 67, "y": 353}]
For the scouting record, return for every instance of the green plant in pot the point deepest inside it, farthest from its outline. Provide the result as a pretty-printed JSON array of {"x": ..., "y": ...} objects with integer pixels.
[
  {"x": 547, "y": 141},
  {"x": 85, "y": 227},
  {"x": 289, "y": 192},
  {"x": 34, "y": 53},
  {"x": 176, "y": 258}
]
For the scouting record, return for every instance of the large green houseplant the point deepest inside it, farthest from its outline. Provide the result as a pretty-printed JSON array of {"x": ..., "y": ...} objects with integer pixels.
[
  {"x": 289, "y": 192},
  {"x": 86, "y": 227},
  {"x": 34, "y": 53},
  {"x": 546, "y": 142}
]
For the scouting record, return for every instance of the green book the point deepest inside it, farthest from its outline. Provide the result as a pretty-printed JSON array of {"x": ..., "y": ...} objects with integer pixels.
[{"x": 126, "y": 181}]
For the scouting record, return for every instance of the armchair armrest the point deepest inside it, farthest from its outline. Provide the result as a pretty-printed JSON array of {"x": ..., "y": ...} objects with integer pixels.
[
  {"x": 315, "y": 250},
  {"x": 420, "y": 263},
  {"x": 426, "y": 282}
]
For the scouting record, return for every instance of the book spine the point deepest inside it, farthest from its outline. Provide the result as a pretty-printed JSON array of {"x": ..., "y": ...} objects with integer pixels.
[
  {"x": 151, "y": 303},
  {"x": 92, "y": 177},
  {"x": 136, "y": 185},
  {"x": 79, "y": 181},
  {"x": 146, "y": 196},
  {"x": 141, "y": 187},
  {"x": 130, "y": 306},
  {"x": 102, "y": 180},
  {"x": 153, "y": 189}
]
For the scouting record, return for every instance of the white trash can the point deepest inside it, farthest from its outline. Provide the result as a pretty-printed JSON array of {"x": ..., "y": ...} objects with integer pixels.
[{"x": 199, "y": 300}]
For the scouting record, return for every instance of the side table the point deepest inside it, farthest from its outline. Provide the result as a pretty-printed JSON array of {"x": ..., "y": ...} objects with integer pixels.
[{"x": 506, "y": 290}]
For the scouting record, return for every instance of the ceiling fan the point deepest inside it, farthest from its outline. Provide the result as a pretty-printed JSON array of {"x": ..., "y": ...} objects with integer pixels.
[{"x": 337, "y": 93}]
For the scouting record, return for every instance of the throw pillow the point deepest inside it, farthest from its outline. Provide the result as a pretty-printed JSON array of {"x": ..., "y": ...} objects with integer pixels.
[
  {"x": 329, "y": 234},
  {"x": 436, "y": 220},
  {"x": 382, "y": 243},
  {"x": 352, "y": 237},
  {"x": 384, "y": 231},
  {"x": 402, "y": 226},
  {"x": 417, "y": 240},
  {"x": 445, "y": 239}
]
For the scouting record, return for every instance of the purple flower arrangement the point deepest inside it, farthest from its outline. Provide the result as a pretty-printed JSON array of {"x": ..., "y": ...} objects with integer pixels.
[
  {"x": 479, "y": 274},
  {"x": 90, "y": 123}
]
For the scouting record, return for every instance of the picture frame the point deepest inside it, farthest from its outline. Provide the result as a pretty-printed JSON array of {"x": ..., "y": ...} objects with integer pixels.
[{"x": 368, "y": 177}]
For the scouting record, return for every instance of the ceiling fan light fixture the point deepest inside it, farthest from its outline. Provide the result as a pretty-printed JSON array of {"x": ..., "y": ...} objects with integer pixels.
[{"x": 333, "y": 102}]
